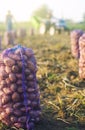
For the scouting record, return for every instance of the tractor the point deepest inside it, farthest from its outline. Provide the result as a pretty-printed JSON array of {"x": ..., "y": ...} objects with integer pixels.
[{"x": 50, "y": 26}]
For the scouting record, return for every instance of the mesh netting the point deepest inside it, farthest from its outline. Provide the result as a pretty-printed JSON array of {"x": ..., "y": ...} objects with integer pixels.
[{"x": 19, "y": 92}]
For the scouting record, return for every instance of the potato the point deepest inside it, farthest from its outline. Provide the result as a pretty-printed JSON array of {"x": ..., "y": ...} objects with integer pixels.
[
  {"x": 18, "y": 125},
  {"x": 22, "y": 119},
  {"x": 9, "y": 110},
  {"x": 9, "y": 61},
  {"x": 6, "y": 99},
  {"x": 19, "y": 50},
  {"x": 7, "y": 90},
  {"x": 8, "y": 69},
  {"x": 13, "y": 119},
  {"x": 31, "y": 96},
  {"x": 17, "y": 105},
  {"x": 17, "y": 112},
  {"x": 28, "y": 102},
  {"x": 14, "y": 56},
  {"x": 23, "y": 109},
  {"x": 19, "y": 76},
  {"x": 12, "y": 77},
  {"x": 15, "y": 97},
  {"x": 3, "y": 74},
  {"x": 25, "y": 57},
  {"x": 29, "y": 52},
  {"x": 31, "y": 66},
  {"x": 35, "y": 113},
  {"x": 2, "y": 115},
  {"x": 2, "y": 66},
  {"x": 20, "y": 89},
  {"x": 19, "y": 64},
  {"x": 3, "y": 82},
  {"x": 34, "y": 103},
  {"x": 30, "y": 77},
  {"x": 27, "y": 71},
  {"x": 37, "y": 119},
  {"x": 13, "y": 87},
  {"x": 30, "y": 90},
  {"x": 1, "y": 93},
  {"x": 8, "y": 81},
  {"x": 19, "y": 82},
  {"x": 15, "y": 69},
  {"x": 8, "y": 105},
  {"x": 31, "y": 83}
]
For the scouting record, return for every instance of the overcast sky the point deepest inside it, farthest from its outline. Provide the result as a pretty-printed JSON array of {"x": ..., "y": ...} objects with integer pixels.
[{"x": 22, "y": 9}]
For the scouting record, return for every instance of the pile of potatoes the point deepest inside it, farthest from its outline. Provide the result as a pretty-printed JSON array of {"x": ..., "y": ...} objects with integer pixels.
[
  {"x": 82, "y": 56},
  {"x": 17, "y": 104},
  {"x": 75, "y": 35}
]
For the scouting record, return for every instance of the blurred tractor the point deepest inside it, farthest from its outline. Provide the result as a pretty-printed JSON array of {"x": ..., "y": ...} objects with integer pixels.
[
  {"x": 50, "y": 26},
  {"x": 53, "y": 25}
]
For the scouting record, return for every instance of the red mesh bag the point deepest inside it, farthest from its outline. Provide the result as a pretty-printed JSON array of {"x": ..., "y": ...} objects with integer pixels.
[
  {"x": 19, "y": 91},
  {"x": 75, "y": 35},
  {"x": 82, "y": 56}
]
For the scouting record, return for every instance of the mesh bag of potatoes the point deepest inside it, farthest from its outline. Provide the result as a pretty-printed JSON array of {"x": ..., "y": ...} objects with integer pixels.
[
  {"x": 82, "y": 57},
  {"x": 19, "y": 91},
  {"x": 75, "y": 35}
]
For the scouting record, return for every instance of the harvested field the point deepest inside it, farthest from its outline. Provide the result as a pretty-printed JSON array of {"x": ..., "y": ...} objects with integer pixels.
[{"x": 62, "y": 91}]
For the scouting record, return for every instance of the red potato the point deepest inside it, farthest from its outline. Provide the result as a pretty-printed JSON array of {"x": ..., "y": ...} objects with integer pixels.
[
  {"x": 19, "y": 76},
  {"x": 23, "y": 109},
  {"x": 8, "y": 69},
  {"x": 3, "y": 74},
  {"x": 22, "y": 119},
  {"x": 13, "y": 119},
  {"x": 14, "y": 56},
  {"x": 15, "y": 69},
  {"x": 20, "y": 89},
  {"x": 27, "y": 71},
  {"x": 18, "y": 125},
  {"x": 9, "y": 110},
  {"x": 19, "y": 82},
  {"x": 2, "y": 115},
  {"x": 15, "y": 97},
  {"x": 31, "y": 66},
  {"x": 30, "y": 90},
  {"x": 25, "y": 57},
  {"x": 34, "y": 103},
  {"x": 19, "y": 51},
  {"x": 17, "y": 105},
  {"x": 12, "y": 77},
  {"x": 1, "y": 93},
  {"x": 13, "y": 87},
  {"x": 6, "y": 99},
  {"x": 7, "y": 90},
  {"x": 29, "y": 52},
  {"x": 17, "y": 113},
  {"x": 30, "y": 77},
  {"x": 3, "y": 82},
  {"x": 8, "y": 81},
  {"x": 8, "y": 61}
]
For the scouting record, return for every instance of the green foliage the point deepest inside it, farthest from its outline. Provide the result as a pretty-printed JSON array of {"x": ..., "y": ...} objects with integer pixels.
[{"x": 43, "y": 12}]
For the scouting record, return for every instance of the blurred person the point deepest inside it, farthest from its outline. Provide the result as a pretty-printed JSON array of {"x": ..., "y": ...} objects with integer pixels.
[
  {"x": 10, "y": 34},
  {"x": 9, "y": 21}
]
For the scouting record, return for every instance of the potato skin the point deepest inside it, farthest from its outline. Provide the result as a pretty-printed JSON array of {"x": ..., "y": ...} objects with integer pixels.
[{"x": 15, "y": 97}]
